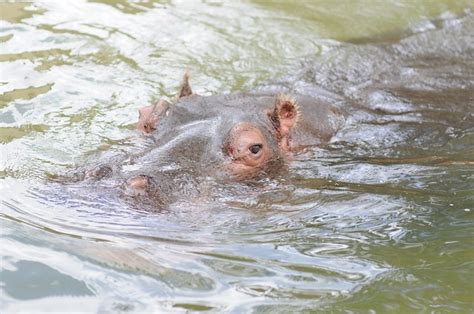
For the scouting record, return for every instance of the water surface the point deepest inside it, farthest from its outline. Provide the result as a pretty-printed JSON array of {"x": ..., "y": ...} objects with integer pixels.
[{"x": 379, "y": 219}]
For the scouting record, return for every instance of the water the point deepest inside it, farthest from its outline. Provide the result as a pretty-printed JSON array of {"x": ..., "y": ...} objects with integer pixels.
[{"x": 380, "y": 219}]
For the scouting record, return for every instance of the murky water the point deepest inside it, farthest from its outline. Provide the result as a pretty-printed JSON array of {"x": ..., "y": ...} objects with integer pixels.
[{"x": 379, "y": 219}]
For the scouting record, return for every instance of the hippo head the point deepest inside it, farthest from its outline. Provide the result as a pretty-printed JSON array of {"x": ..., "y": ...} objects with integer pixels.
[{"x": 237, "y": 135}]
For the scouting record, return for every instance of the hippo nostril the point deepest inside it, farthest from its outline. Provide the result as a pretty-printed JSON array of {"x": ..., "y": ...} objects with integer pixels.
[
  {"x": 138, "y": 185},
  {"x": 255, "y": 149}
]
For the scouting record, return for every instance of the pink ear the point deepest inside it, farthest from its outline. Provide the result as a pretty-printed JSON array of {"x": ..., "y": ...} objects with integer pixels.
[
  {"x": 185, "y": 89},
  {"x": 149, "y": 116},
  {"x": 285, "y": 115}
]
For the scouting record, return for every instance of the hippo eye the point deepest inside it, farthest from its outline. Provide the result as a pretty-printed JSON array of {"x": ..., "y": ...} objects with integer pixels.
[{"x": 255, "y": 149}]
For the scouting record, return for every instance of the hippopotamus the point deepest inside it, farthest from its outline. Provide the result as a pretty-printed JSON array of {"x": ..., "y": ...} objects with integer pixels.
[
  {"x": 194, "y": 141},
  {"x": 233, "y": 137},
  {"x": 238, "y": 136}
]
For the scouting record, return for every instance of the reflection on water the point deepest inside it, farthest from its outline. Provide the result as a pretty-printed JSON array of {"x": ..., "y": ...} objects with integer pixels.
[
  {"x": 380, "y": 218},
  {"x": 32, "y": 280}
]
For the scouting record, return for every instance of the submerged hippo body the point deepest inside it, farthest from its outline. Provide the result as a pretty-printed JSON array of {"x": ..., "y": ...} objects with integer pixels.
[{"x": 366, "y": 94}]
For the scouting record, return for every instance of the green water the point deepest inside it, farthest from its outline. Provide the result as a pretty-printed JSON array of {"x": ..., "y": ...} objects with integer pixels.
[{"x": 352, "y": 233}]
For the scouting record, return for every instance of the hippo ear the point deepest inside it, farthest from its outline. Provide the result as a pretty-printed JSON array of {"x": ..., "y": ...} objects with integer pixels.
[
  {"x": 185, "y": 89},
  {"x": 149, "y": 116},
  {"x": 285, "y": 115}
]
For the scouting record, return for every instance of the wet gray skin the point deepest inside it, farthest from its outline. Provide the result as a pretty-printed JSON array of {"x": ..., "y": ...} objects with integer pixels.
[{"x": 403, "y": 83}]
